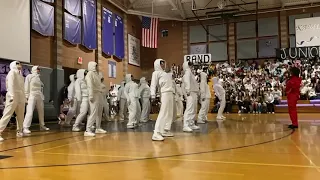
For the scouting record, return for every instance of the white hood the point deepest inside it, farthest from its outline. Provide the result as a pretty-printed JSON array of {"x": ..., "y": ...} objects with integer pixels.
[
  {"x": 128, "y": 78},
  {"x": 92, "y": 66},
  {"x": 185, "y": 65},
  {"x": 71, "y": 77},
  {"x": 157, "y": 66},
  {"x": 13, "y": 65},
  {"x": 80, "y": 73},
  {"x": 143, "y": 80},
  {"x": 203, "y": 77},
  {"x": 34, "y": 70}
]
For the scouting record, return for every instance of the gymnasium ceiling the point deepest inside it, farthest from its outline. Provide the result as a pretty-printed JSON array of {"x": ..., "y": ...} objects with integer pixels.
[{"x": 182, "y": 9}]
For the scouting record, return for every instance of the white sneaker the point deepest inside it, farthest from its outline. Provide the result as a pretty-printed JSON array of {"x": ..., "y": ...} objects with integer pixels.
[
  {"x": 75, "y": 129},
  {"x": 195, "y": 127},
  {"x": 100, "y": 131},
  {"x": 223, "y": 117},
  {"x": 272, "y": 112},
  {"x": 167, "y": 134},
  {"x": 220, "y": 118},
  {"x": 89, "y": 134},
  {"x": 157, "y": 137},
  {"x": 130, "y": 126},
  {"x": 26, "y": 131},
  {"x": 44, "y": 128},
  {"x": 19, "y": 134},
  {"x": 239, "y": 112},
  {"x": 201, "y": 122},
  {"x": 187, "y": 129},
  {"x": 1, "y": 139}
]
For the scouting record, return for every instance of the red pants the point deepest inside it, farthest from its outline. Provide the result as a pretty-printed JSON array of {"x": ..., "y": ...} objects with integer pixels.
[{"x": 292, "y": 107}]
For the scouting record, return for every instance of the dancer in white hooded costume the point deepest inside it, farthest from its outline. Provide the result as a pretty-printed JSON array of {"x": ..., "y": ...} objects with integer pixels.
[
  {"x": 33, "y": 87},
  {"x": 123, "y": 108},
  {"x": 71, "y": 96},
  {"x": 104, "y": 107},
  {"x": 144, "y": 90},
  {"x": 81, "y": 95},
  {"x": 94, "y": 93},
  {"x": 192, "y": 90},
  {"x": 221, "y": 94},
  {"x": 131, "y": 91},
  {"x": 205, "y": 96},
  {"x": 15, "y": 99},
  {"x": 179, "y": 99},
  {"x": 163, "y": 81}
]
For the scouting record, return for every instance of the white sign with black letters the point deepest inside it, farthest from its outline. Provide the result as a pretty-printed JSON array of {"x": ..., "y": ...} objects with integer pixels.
[{"x": 198, "y": 58}]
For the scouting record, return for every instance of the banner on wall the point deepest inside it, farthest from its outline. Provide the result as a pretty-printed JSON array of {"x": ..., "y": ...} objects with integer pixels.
[
  {"x": 107, "y": 32},
  {"x": 198, "y": 49},
  {"x": 73, "y": 7},
  {"x": 134, "y": 50},
  {"x": 112, "y": 67},
  {"x": 198, "y": 58},
  {"x": 72, "y": 29},
  {"x": 307, "y": 32},
  {"x": 298, "y": 52},
  {"x": 119, "y": 37},
  {"x": 89, "y": 15},
  {"x": 42, "y": 18}
]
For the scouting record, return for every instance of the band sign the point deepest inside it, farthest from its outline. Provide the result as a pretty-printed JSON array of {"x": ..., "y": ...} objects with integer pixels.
[{"x": 198, "y": 58}]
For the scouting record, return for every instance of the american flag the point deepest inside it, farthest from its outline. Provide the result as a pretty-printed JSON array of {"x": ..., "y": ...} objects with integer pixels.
[{"x": 149, "y": 32}]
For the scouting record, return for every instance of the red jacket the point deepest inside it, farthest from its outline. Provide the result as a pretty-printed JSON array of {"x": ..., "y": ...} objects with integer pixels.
[{"x": 293, "y": 86}]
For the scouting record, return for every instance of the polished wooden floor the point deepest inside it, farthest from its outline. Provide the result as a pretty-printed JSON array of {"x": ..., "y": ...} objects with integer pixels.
[{"x": 244, "y": 147}]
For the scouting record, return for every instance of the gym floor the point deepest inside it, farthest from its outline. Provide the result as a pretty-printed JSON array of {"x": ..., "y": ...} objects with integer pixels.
[{"x": 244, "y": 147}]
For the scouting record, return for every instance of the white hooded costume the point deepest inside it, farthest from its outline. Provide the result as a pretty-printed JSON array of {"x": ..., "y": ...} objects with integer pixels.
[
  {"x": 163, "y": 81},
  {"x": 33, "y": 87},
  {"x": 192, "y": 90},
  {"x": 145, "y": 95},
  {"x": 15, "y": 99},
  {"x": 104, "y": 106},
  {"x": 123, "y": 108},
  {"x": 74, "y": 104},
  {"x": 221, "y": 94},
  {"x": 131, "y": 91},
  {"x": 205, "y": 96},
  {"x": 179, "y": 99},
  {"x": 81, "y": 95},
  {"x": 94, "y": 93}
]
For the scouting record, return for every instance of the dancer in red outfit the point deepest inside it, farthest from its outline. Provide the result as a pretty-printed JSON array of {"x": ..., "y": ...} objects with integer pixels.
[{"x": 293, "y": 95}]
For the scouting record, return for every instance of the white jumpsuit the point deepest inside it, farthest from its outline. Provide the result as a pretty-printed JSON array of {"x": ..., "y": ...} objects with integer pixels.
[
  {"x": 145, "y": 100},
  {"x": 15, "y": 99},
  {"x": 74, "y": 104},
  {"x": 205, "y": 96},
  {"x": 221, "y": 94},
  {"x": 131, "y": 92},
  {"x": 81, "y": 95},
  {"x": 104, "y": 102},
  {"x": 123, "y": 108},
  {"x": 163, "y": 81},
  {"x": 192, "y": 90},
  {"x": 179, "y": 99},
  {"x": 34, "y": 94},
  {"x": 94, "y": 93}
]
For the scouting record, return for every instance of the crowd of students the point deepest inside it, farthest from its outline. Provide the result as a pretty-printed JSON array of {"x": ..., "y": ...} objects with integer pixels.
[{"x": 257, "y": 88}]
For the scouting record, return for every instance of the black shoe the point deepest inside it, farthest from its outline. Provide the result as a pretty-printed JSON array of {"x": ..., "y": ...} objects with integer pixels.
[{"x": 292, "y": 127}]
